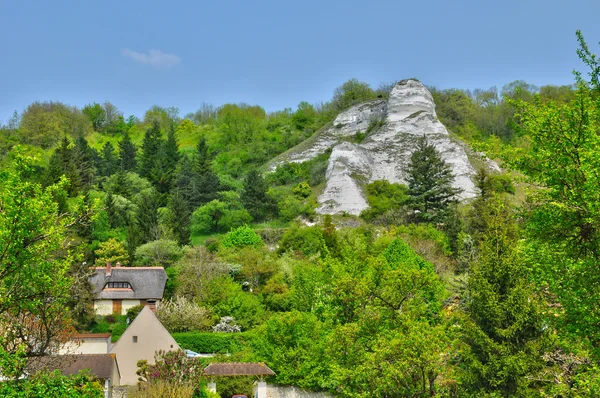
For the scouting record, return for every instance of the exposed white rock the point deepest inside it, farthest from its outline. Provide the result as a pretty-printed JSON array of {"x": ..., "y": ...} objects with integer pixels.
[{"x": 408, "y": 114}]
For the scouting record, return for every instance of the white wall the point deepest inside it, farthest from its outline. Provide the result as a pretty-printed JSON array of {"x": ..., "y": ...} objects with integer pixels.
[
  {"x": 86, "y": 346},
  {"x": 103, "y": 307},
  {"x": 127, "y": 304}
]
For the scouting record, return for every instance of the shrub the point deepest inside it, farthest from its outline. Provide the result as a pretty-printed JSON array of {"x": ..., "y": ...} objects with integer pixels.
[
  {"x": 302, "y": 190},
  {"x": 219, "y": 343},
  {"x": 182, "y": 315},
  {"x": 308, "y": 240},
  {"x": 242, "y": 237},
  {"x": 159, "y": 252}
]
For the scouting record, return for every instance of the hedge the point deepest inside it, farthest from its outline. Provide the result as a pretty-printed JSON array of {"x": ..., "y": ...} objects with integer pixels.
[{"x": 218, "y": 343}]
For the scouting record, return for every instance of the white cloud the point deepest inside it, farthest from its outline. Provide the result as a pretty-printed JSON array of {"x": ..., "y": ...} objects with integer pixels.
[{"x": 155, "y": 58}]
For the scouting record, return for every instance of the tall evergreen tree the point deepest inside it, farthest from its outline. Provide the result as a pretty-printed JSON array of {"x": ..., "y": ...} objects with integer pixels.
[
  {"x": 503, "y": 326},
  {"x": 127, "y": 154},
  {"x": 61, "y": 163},
  {"x": 147, "y": 215},
  {"x": 170, "y": 153},
  {"x": 207, "y": 182},
  {"x": 150, "y": 150},
  {"x": 111, "y": 211},
  {"x": 109, "y": 162},
  {"x": 185, "y": 181},
  {"x": 179, "y": 218},
  {"x": 429, "y": 183},
  {"x": 254, "y": 196},
  {"x": 84, "y": 159}
]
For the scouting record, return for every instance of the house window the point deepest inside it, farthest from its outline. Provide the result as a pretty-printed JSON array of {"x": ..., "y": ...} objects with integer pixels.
[
  {"x": 135, "y": 339},
  {"x": 117, "y": 285}
]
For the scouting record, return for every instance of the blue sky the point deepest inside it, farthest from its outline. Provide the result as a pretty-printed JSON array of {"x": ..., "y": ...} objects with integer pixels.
[{"x": 276, "y": 53}]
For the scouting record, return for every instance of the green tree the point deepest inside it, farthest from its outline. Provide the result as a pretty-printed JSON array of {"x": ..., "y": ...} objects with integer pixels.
[
  {"x": 254, "y": 196},
  {"x": 84, "y": 161},
  {"x": 109, "y": 163},
  {"x": 127, "y": 154},
  {"x": 150, "y": 149},
  {"x": 33, "y": 247},
  {"x": 503, "y": 327},
  {"x": 351, "y": 93},
  {"x": 563, "y": 222},
  {"x": 43, "y": 123},
  {"x": 97, "y": 115},
  {"x": 112, "y": 251},
  {"x": 429, "y": 180},
  {"x": 179, "y": 220},
  {"x": 206, "y": 184},
  {"x": 147, "y": 219}
]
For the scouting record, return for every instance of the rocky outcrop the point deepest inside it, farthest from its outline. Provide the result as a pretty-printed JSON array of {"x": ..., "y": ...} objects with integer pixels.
[{"x": 392, "y": 128}]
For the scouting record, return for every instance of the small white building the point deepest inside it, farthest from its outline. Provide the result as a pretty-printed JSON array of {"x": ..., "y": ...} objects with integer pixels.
[
  {"x": 117, "y": 289},
  {"x": 87, "y": 343}
]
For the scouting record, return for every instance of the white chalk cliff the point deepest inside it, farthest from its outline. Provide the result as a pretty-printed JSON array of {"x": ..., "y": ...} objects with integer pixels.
[{"x": 409, "y": 113}]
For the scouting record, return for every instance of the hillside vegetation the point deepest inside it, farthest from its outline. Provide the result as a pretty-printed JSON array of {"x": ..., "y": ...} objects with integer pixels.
[{"x": 420, "y": 295}]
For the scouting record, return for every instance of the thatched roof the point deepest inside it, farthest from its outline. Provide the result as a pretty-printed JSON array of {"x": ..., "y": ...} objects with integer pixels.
[
  {"x": 238, "y": 369},
  {"x": 146, "y": 283},
  {"x": 100, "y": 365}
]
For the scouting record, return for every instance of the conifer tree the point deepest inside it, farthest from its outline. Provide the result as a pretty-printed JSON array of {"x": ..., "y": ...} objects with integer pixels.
[
  {"x": 84, "y": 159},
  {"x": 111, "y": 211},
  {"x": 503, "y": 325},
  {"x": 61, "y": 162},
  {"x": 109, "y": 160},
  {"x": 207, "y": 182},
  {"x": 185, "y": 181},
  {"x": 127, "y": 154},
  {"x": 150, "y": 150},
  {"x": 254, "y": 196},
  {"x": 170, "y": 154},
  {"x": 179, "y": 218},
  {"x": 429, "y": 183},
  {"x": 147, "y": 215}
]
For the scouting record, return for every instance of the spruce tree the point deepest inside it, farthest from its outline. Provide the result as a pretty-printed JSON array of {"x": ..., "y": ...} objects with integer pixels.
[
  {"x": 84, "y": 159},
  {"x": 179, "y": 218},
  {"x": 147, "y": 215},
  {"x": 254, "y": 196},
  {"x": 185, "y": 182},
  {"x": 206, "y": 181},
  {"x": 170, "y": 154},
  {"x": 502, "y": 325},
  {"x": 127, "y": 154},
  {"x": 150, "y": 150},
  {"x": 111, "y": 211},
  {"x": 109, "y": 160},
  {"x": 429, "y": 180}
]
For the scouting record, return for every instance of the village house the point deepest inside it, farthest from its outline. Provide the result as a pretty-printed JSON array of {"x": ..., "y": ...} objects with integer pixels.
[
  {"x": 117, "y": 289},
  {"x": 103, "y": 366},
  {"x": 144, "y": 336}
]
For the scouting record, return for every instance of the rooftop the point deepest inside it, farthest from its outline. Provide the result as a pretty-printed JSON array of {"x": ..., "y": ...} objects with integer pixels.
[
  {"x": 146, "y": 282},
  {"x": 238, "y": 369}
]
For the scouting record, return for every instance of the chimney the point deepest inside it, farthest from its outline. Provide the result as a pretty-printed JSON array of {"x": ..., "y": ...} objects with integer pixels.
[{"x": 108, "y": 269}]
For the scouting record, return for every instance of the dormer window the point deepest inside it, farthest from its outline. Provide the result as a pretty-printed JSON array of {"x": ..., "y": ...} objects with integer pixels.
[{"x": 117, "y": 285}]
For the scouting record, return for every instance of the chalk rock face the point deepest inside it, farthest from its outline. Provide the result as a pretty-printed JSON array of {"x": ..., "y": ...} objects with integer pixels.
[{"x": 393, "y": 127}]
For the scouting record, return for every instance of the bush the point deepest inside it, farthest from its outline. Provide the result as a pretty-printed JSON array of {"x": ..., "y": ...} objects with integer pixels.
[
  {"x": 308, "y": 240},
  {"x": 242, "y": 237},
  {"x": 219, "y": 343},
  {"x": 302, "y": 190},
  {"x": 182, "y": 315},
  {"x": 159, "y": 252}
]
